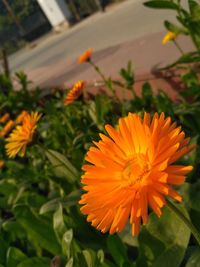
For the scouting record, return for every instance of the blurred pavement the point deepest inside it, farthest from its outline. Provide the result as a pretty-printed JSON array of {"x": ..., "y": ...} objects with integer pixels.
[{"x": 126, "y": 31}]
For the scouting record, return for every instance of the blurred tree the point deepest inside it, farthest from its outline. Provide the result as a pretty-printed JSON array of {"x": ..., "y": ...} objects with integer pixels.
[{"x": 20, "y": 8}]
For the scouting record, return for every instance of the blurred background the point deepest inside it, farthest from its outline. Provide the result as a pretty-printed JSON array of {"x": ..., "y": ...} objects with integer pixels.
[{"x": 24, "y": 21}]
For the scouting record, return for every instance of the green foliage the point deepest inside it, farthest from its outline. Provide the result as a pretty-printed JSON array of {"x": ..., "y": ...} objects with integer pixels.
[{"x": 39, "y": 194}]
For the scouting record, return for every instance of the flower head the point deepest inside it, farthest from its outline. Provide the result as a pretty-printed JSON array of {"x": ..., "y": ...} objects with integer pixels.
[
  {"x": 20, "y": 117},
  {"x": 22, "y": 135},
  {"x": 85, "y": 56},
  {"x": 170, "y": 36},
  {"x": 5, "y": 118},
  {"x": 131, "y": 170},
  {"x": 74, "y": 93},
  {"x": 7, "y": 128}
]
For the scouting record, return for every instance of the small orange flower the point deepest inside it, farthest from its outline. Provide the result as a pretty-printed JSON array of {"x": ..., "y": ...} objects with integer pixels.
[
  {"x": 20, "y": 117},
  {"x": 131, "y": 170},
  {"x": 7, "y": 128},
  {"x": 74, "y": 93},
  {"x": 170, "y": 36},
  {"x": 85, "y": 56},
  {"x": 2, "y": 163},
  {"x": 22, "y": 135},
  {"x": 5, "y": 118}
]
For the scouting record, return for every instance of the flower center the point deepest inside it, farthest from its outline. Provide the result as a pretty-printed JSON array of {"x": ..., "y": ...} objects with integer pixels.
[{"x": 135, "y": 170}]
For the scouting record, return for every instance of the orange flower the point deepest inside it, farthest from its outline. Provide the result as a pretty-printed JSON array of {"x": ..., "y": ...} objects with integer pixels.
[
  {"x": 7, "y": 128},
  {"x": 131, "y": 170},
  {"x": 5, "y": 118},
  {"x": 2, "y": 163},
  {"x": 22, "y": 135},
  {"x": 74, "y": 93},
  {"x": 85, "y": 56},
  {"x": 170, "y": 36},
  {"x": 20, "y": 117}
]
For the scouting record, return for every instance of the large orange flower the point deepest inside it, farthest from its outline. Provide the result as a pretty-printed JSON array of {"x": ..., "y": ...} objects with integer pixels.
[
  {"x": 85, "y": 56},
  {"x": 132, "y": 170},
  {"x": 22, "y": 135},
  {"x": 74, "y": 93}
]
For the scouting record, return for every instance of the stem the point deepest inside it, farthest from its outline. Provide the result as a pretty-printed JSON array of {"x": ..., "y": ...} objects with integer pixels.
[
  {"x": 178, "y": 47},
  {"x": 97, "y": 69},
  {"x": 186, "y": 221}
]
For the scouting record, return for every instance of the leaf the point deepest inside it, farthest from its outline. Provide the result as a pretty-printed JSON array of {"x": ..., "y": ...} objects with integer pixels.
[
  {"x": 35, "y": 261},
  {"x": 68, "y": 201},
  {"x": 14, "y": 228},
  {"x": 191, "y": 195},
  {"x": 161, "y": 4},
  {"x": 194, "y": 259},
  {"x": 62, "y": 166},
  {"x": 117, "y": 250},
  {"x": 147, "y": 95},
  {"x": 174, "y": 28},
  {"x": 70, "y": 263},
  {"x": 173, "y": 236},
  {"x": 37, "y": 229},
  {"x": 88, "y": 258},
  {"x": 92, "y": 259},
  {"x": 190, "y": 57},
  {"x": 58, "y": 223},
  {"x": 66, "y": 242},
  {"x": 194, "y": 10},
  {"x": 14, "y": 256}
]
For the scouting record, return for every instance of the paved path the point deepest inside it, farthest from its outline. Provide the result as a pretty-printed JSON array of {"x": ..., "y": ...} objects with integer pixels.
[{"x": 123, "y": 22}]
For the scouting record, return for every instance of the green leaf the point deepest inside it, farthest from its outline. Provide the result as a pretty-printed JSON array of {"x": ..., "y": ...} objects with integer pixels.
[
  {"x": 70, "y": 263},
  {"x": 88, "y": 258},
  {"x": 162, "y": 4},
  {"x": 14, "y": 228},
  {"x": 68, "y": 201},
  {"x": 194, "y": 9},
  {"x": 66, "y": 242},
  {"x": 35, "y": 261},
  {"x": 147, "y": 95},
  {"x": 14, "y": 256},
  {"x": 190, "y": 57},
  {"x": 92, "y": 259},
  {"x": 37, "y": 229},
  {"x": 194, "y": 259},
  {"x": 174, "y": 28},
  {"x": 117, "y": 250},
  {"x": 3, "y": 250},
  {"x": 62, "y": 166},
  {"x": 58, "y": 223},
  {"x": 191, "y": 195},
  {"x": 171, "y": 231}
]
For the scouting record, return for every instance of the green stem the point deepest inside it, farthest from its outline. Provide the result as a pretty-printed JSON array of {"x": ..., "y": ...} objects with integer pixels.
[
  {"x": 97, "y": 69},
  {"x": 186, "y": 221},
  {"x": 178, "y": 47}
]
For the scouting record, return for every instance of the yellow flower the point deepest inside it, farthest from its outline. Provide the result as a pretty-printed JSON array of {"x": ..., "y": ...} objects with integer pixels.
[
  {"x": 22, "y": 135},
  {"x": 169, "y": 37},
  {"x": 85, "y": 56},
  {"x": 74, "y": 93},
  {"x": 7, "y": 128},
  {"x": 131, "y": 170},
  {"x": 5, "y": 118}
]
